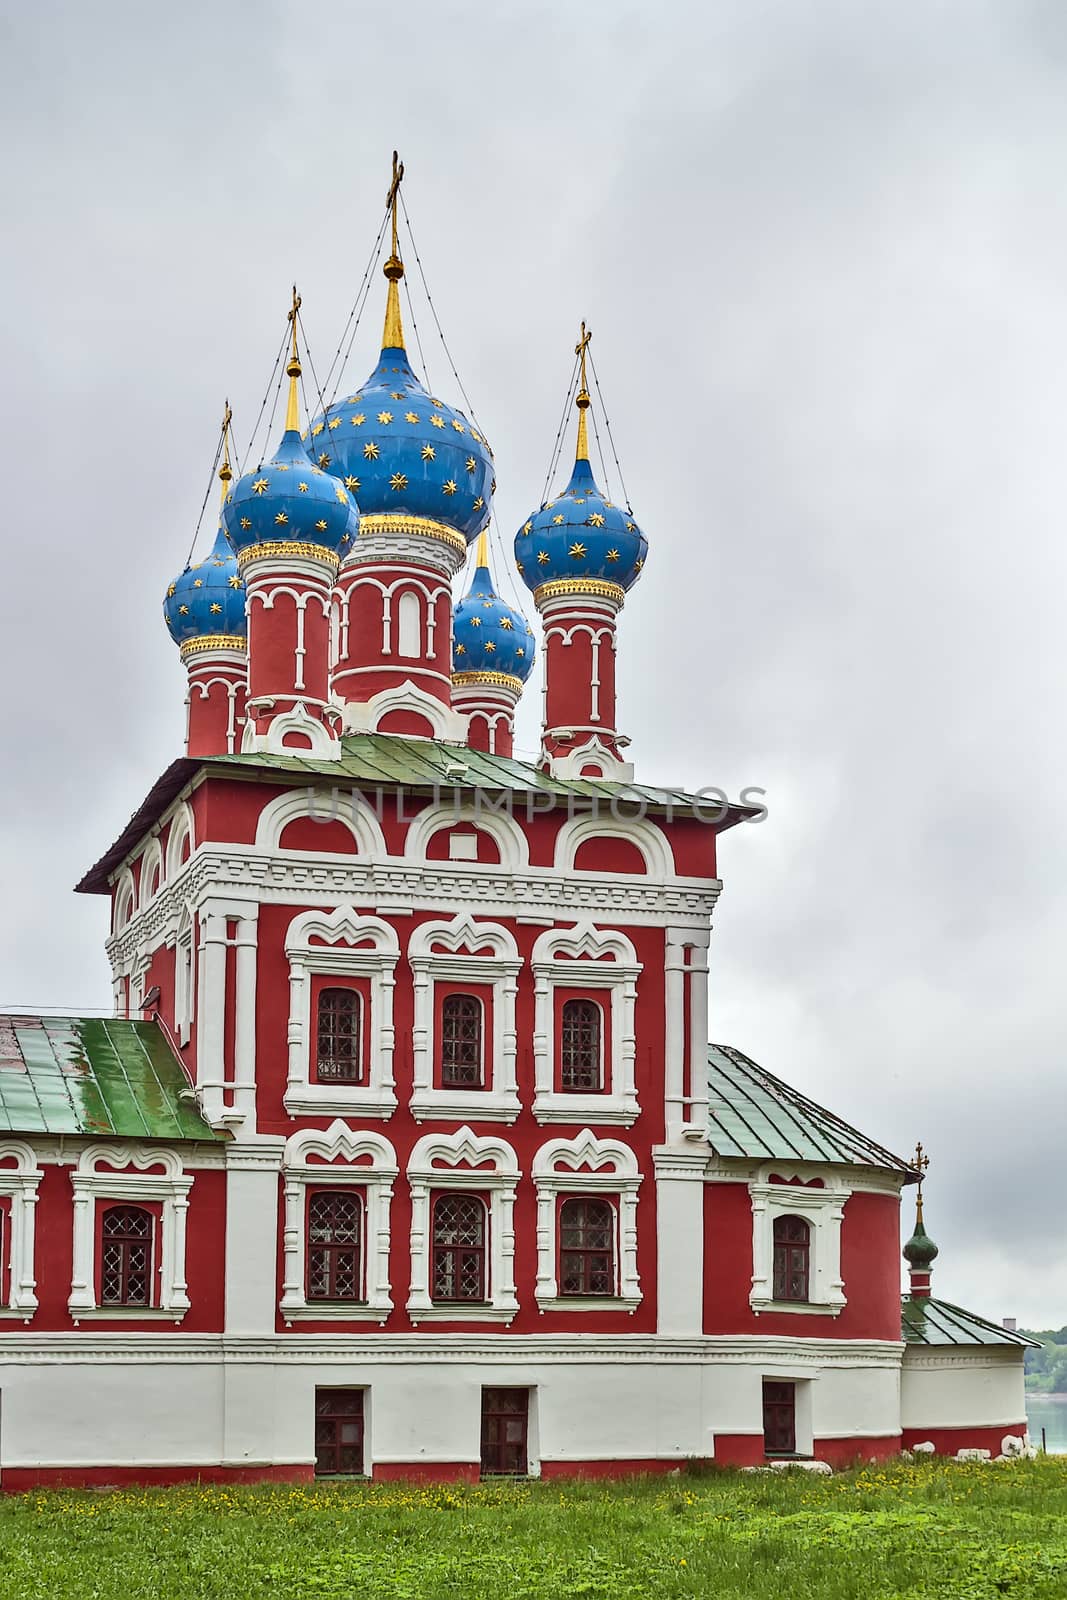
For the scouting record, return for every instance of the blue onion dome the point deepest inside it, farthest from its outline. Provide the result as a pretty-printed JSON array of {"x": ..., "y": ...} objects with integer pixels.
[
  {"x": 415, "y": 464},
  {"x": 205, "y": 607},
  {"x": 581, "y": 538},
  {"x": 287, "y": 505},
  {"x": 490, "y": 640}
]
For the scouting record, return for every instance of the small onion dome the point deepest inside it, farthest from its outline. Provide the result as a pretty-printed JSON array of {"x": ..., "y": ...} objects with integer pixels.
[
  {"x": 289, "y": 501},
  {"x": 920, "y": 1251},
  {"x": 488, "y": 636},
  {"x": 580, "y": 535},
  {"x": 407, "y": 457},
  {"x": 205, "y": 607}
]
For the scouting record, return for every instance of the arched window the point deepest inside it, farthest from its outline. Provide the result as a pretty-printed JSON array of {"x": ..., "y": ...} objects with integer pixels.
[
  {"x": 409, "y": 625},
  {"x": 339, "y": 1054},
  {"x": 126, "y": 1257},
  {"x": 459, "y": 1248},
  {"x": 461, "y": 1042},
  {"x": 587, "y": 1247},
  {"x": 335, "y": 1232},
  {"x": 581, "y": 1046},
  {"x": 792, "y": 1250}
]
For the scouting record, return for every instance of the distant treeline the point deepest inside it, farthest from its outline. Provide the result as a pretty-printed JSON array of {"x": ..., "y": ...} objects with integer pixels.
[{"x": 1046, "y": 1369}]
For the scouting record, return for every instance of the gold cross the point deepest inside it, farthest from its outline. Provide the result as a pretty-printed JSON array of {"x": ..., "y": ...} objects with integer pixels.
[
  {"x": 394, "y": 193},
  {"x": 225, "y": 471},
  {"x": 921, "y": 1162},
  {"x": 580, "y": 348},
  {"x": 291, "y": 319}
]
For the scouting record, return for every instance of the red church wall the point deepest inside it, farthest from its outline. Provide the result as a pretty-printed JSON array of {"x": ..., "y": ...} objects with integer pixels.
[
  {"x": 609, "y": 855},
  {"x": 870, "y": 1248},
  {"x": 946, "y": 1441}
]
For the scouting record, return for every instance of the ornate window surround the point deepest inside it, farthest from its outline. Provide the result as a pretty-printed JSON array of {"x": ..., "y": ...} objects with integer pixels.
[
  {"x": 457, "y": 962},
  {"x": 462, "y": 1155},
  {"x": 130, "y": 1181},
  {"x": 823, "y": 1210},
  {"x": 587, "y": 1165},
  {"x": 341, "y": 930},
  {"x": 20, "y": 1184},
  {"x": 376, "y": 1182},
  {"x": 617, "y": 1102}
]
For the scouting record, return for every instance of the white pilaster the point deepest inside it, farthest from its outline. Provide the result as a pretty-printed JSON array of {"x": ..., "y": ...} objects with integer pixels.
[
  {"x": 679, "y": 1241},
  {"x": 252, "y": 1170}
]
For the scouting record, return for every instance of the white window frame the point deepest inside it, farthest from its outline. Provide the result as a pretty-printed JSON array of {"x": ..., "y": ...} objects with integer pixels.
[
  {"x": 338, "y": 1148},
  {"x": 587, "y": 1166},
  {"x": 455, "y": 1161},
  {"x": 443, "y": 952},
  {"x": 341, "y": 930},
  {"x": 131, "y": 1182},
  {"x": 184, "y": 978},
  {"x": 556, "y": 964},
  {"x": 20, "y": 1184},
  {"x": 823, "y": 1210}
]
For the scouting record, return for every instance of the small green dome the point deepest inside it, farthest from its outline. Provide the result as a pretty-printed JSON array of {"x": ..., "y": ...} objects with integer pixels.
[{"x": 920, "y": 1250}]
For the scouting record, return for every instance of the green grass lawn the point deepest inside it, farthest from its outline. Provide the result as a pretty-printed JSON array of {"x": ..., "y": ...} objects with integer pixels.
[{"x": 924, "y": 1532}]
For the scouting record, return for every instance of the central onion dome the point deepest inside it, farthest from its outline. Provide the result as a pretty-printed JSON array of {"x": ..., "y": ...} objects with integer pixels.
[
  {"x": 415, "y": 464},
  {"x": 204, "y": 608},
  {"x": 287, "y": 506},
  {"x": 580, "y": 542},
  {"x": 490, "y": 640}
]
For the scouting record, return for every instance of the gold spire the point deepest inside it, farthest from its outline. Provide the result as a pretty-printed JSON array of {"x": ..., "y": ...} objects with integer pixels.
[
  {"x": 582, "y": 401},
  {"x": 226, "y": 471},
  {"x": 393, "y": 332},
  {"x": 921, "y": 1162},
  {"x": 292, "y": 414},
  {"x": 481, "y": 555}
]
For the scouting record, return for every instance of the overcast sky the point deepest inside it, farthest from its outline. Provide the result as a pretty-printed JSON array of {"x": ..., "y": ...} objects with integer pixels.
[{"x": 823, "y": 250}]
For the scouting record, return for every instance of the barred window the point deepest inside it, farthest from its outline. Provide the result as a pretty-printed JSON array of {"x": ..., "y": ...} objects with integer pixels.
[
  {"x": 580, "y": 1045},
  {"x": 338, "y": 1432},
  {"x": 335, "y": 1231},
  {"x": 126, "y": 1256},
  {"x": 587, "y": 1247},
  {"x": 459, "y": 1228},
  {"x": 461, "y": 1042},
  {"x": 339, "y": 1057},
  {"x": 792, "y": 1250}
]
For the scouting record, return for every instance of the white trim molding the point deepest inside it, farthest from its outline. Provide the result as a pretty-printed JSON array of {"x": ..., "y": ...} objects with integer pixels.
[
  {"x": 352, "y": 1159},
  {"x": 458, "y": 1161},
  {"x": 653, "y": 845},
  {"x": 20, "y": 1184},
  {"x": 511, "y": 842},
  {"x": 324, "y": 806},
  {"x": 181, "y": 829},
  {"x": 127, "y": 1178},
  {"x": 558, "y": 962},
  {"x": 352, "y": 946},
  {"x": 590, "y": 1166},
  {"x": 823, "y": 1210},
  {"x": 364, "y": 716},
  {"x": 449, "y": 952}
]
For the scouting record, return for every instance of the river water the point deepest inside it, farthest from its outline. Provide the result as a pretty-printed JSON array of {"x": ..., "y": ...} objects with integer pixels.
[{"x": 1048, "y": 1411}]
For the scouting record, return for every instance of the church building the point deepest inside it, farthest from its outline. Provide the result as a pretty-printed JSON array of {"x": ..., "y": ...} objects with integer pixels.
[{"x": 404, "y": 1153}]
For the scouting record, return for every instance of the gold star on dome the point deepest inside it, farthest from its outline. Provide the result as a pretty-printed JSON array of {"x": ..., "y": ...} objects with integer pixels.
[
  {"x": 396, "y": 395},
  {"x": 558, "y": 518},
  {"x": 526, "y": 527},
  {"x": 629, "y": 527},
  {"x": 303, "y": 488},
  {"x": 218, "y": 563},
  {"x": 371, "y": 451},
  {"x": 479, "y": 503},
  {"x": 198, "y": 583},
  {"x": 437, "y": 422},
  {"x": 507, "y": 624},
  {"x": 470, "y": 463},
  {"x": 461, "y": 649},
  {"x": 334, "y": 422},
  {"x": 476, "y": 622},
  {"x": 579, "y": 500},
  {"x": 458, "y": 425},
  {"x": 235, "y": 583},
  {"x": 411, "y": 416},
  {"x": 246, "y": 522},
  {"x": 609, "y": 505},
  {"x": 352, "y": 483},
  {"x": 183, "y": 611},
  {"x": 518, "y": 566},
  {"x": 449, "y": 487},
  {"x": 492, "y": 487},
  {"x": 596, "y": 519},
  {"x": 171, "y": 590},
  {"x": 342, "y": 497},
  {"x": 477, "y": 436},
  {"x": 520, "y": 651},
  {"x": 577, "y": 550},
  {"x": 260, "y": 486},
  {"x": 490, "y": 647},
  {"x": 282, "y": 518},
  {"x": 428, "y": 452},
  {"x": 612, "y": 555},
  {"x": 639, "y": 563},
  {"x": 398, "y": 481},
  {"x": 487, "y": 605},
  {"x": 321, "y": 525},
  {"x": 215, "y": 610},
  {"x": 385, "y": 416},
  {"x": 316, "y": 430},
  {"x": 542, "y": 557},
  {"x": 438, "y": 403},
  {"x": 358, "y": 420},
  {"x": 279, "y": 467},
  {"x": 324, "y": 460}
]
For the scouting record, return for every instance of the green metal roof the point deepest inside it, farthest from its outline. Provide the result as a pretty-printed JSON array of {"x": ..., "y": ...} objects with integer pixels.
[
  {"x": 928, "y": 1321},
  {"x": 96, "y": 1076},
  {"x": 373, "y": 760},
  {"x": 752, "y": 1113}
]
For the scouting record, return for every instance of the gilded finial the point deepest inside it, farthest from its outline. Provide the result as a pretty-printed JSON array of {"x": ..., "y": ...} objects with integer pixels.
[
  {"x": 582, "y": 400},
  {"x": 481, "y": 555},
  {"x": 393, "y": 334},
  {"x": 292, "y": 414},
  {"x": 920, "y": 1163},
  {"x": 226, "y": 471}
]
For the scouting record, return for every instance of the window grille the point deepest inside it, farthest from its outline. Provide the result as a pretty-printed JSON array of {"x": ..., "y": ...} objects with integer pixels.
[
  {"x": 335, "y": 1228},
  {"x": 580, "y": 1046},
  {"x": 586, "y": 1247},
  {"x": 459, "y": 1228},
  {"x": 339, "y": 1056},
  {"x": 461, "y": 1042},
  {"x": 338, "y": 1432},
  {"x": 792, "y": 1250},
  {"x": 126, "y": 1256}
]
